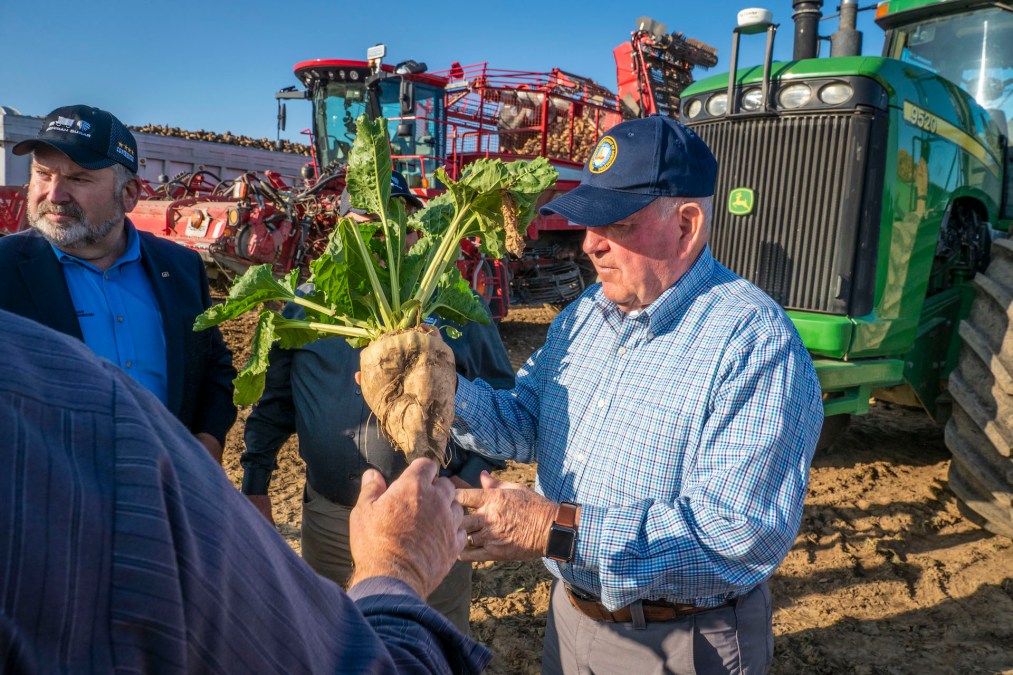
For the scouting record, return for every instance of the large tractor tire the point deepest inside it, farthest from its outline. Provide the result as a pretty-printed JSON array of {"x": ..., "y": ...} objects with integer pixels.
[{"x": 980, "y": 433}]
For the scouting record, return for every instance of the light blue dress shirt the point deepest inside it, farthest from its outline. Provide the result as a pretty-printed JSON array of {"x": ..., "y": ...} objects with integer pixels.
[
  {"x": 119, "y": 315},
  {"x": 685, "y": 431}
]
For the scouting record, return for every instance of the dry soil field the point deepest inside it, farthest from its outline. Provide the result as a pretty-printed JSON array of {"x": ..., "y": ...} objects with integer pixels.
[{"x": 885, "y": 575}]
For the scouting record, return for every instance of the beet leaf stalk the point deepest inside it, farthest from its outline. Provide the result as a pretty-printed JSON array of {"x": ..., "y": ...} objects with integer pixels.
[{"x": 367, "y": 284}]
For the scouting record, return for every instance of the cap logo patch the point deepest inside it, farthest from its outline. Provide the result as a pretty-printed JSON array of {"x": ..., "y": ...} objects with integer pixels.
[
  {"x": 603, "y": 156},
  {"x": 124, "y": 150},
  {"x": 70, "y": 126}
]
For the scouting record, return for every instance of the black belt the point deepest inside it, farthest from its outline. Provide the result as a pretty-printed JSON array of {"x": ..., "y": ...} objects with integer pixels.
[{"x": 654, "y": 610}]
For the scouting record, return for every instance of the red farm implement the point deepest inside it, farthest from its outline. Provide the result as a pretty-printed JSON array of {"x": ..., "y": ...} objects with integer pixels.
[
  {"x": 519, "y": 115},
  {"x": 654, "y": 67},
  {"x": 436, "y": 120},
  {"x": 13, "y": 206}
]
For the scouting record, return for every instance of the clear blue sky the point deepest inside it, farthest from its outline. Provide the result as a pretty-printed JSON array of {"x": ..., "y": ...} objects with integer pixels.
[{"x": 216, "y": 65}]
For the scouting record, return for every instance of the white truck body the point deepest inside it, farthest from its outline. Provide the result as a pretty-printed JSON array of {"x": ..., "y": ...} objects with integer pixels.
[{"x": 157, "y": 155}]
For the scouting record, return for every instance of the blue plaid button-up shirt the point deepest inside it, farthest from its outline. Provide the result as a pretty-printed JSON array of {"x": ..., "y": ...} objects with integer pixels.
[{"x": 686, "y": 432}]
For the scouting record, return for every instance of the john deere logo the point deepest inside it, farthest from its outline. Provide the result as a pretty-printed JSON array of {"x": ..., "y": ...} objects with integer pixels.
[{"x": 740, "y": 202}]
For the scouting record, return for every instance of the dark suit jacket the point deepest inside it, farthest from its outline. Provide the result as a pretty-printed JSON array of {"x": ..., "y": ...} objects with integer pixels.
[{"x": 199, "y": 365}]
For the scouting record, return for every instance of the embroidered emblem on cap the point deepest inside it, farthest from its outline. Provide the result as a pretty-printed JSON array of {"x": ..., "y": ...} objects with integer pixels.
[
  {"x": 603, "y": 155},
  {"x": 124, "y": 150}
]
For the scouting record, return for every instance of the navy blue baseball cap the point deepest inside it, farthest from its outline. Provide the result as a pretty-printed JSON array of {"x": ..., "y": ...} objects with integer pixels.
[
  {"x": 633, "y": 164},
  {"x": 92, "y": 138}
]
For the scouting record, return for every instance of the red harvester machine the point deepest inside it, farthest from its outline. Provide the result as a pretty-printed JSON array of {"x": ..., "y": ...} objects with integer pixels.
[
  {"x": 443, "y": 119},
  {"x": 655, "y": 66}
]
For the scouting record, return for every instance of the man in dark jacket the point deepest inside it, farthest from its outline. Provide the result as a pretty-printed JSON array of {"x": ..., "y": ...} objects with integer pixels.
[
  {"x": 312, "y": 391},
  {"x": 84, "y": 270}
]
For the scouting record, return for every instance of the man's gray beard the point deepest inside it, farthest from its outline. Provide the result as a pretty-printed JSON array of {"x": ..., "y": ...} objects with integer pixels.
[{"x": 79, "y": 234}]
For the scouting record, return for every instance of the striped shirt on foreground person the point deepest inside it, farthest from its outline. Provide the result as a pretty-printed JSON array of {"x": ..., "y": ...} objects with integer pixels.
[{"x": 125, "y": 548}]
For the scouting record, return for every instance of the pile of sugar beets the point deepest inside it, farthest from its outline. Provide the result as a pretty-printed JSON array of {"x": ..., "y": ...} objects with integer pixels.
[{"x": 372, "y": 290}]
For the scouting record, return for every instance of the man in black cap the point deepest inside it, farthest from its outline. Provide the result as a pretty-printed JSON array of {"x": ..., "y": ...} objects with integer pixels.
[
  {"x": 311, "y": 391},
  {"x": 673, "y": 413},
  {"x": 84, "y": 270}
]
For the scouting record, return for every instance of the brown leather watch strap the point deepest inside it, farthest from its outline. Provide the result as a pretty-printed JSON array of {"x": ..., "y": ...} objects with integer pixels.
[{"x": 568, "y": 515}]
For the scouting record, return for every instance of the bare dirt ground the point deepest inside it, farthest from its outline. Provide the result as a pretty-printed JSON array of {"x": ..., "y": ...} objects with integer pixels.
[{"x": 885, "y": 575}]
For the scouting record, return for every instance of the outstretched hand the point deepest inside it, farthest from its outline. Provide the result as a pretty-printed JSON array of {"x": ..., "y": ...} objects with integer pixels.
[
  {"x": 410, "y": 531},
  {"x": 507, "y": 521}
]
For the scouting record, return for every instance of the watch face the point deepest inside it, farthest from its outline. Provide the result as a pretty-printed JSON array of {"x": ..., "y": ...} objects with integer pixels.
[{"x": 562, "y": 543}]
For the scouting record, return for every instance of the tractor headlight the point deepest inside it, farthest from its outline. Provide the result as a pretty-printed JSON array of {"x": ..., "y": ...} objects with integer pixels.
[
  {"x": 752, "y": 99},
  {"x": 835, "y": 93},
  {"x": 693, "y": 108},
  {"x": 717, "y": 104},
  {"x": 794, "y": 96}
]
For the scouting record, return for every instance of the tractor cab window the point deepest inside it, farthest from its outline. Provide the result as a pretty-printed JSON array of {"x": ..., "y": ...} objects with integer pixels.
[
  {"x": 417, "y": 140},
  {"x": 973, "y": 50},
  {"x": 337, "y": 106}
]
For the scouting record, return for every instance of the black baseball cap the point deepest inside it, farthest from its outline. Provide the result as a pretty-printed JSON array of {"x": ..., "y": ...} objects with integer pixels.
[
  {"x": 398, "y": 188},
  {"x": 92, "y": 138},
  {"x": 633, "y": 164}
]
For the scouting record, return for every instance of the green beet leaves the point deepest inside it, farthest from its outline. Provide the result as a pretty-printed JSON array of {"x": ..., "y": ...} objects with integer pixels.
[{"x": 366, "y": 284}]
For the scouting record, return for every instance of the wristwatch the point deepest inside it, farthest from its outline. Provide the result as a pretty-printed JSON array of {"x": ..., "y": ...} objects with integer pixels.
[{"x": 562, "y": 544}]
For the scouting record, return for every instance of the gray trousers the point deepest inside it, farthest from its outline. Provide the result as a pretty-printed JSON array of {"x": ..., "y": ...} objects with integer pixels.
[
  {"x": 733, "y": 639},
  {"x": 325, "y": 547}
]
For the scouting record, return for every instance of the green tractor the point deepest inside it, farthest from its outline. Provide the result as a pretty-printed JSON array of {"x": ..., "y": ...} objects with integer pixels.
[{"x": 873, "y": 197}]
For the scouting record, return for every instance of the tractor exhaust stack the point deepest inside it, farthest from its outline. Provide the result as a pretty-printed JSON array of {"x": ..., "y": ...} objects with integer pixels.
[
  {"x": 807, "y": 18},
  {"x": 847, "y": 41}
]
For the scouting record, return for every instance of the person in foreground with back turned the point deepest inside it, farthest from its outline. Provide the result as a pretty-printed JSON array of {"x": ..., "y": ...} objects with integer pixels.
[
  {"x": 673, "y": 412},
  {"x": 122, "y": 549}
]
